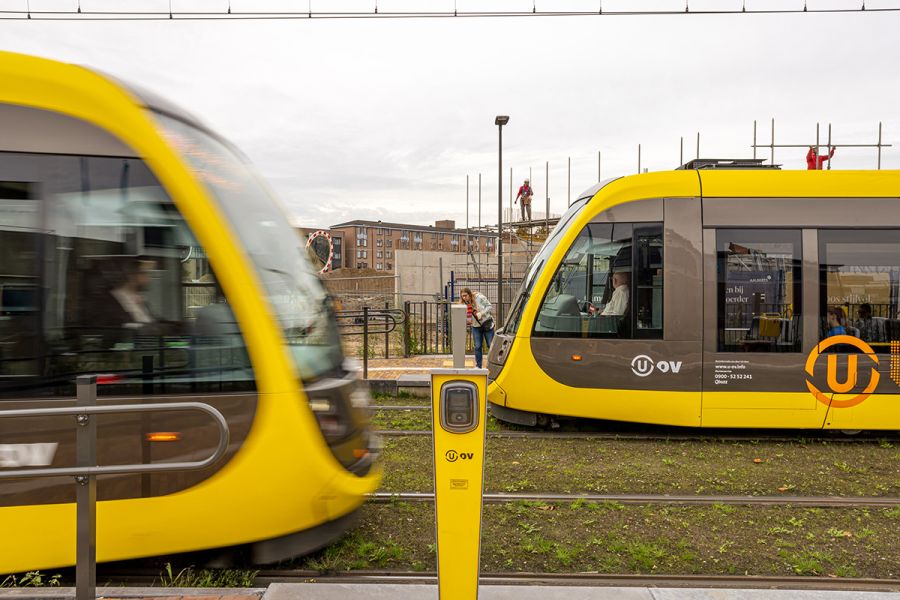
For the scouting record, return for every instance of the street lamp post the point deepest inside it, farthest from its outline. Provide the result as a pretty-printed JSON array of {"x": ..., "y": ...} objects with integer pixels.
[{"x": 500, "y": 121}]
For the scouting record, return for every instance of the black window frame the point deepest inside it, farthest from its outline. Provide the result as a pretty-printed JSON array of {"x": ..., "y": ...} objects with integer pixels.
[{"x": 751, "y": 235}]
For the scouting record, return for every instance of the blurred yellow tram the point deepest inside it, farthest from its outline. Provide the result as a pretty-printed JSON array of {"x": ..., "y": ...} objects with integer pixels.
[
  {"x": 138, "y": 245},
  {"x": 751, "y": 297}
]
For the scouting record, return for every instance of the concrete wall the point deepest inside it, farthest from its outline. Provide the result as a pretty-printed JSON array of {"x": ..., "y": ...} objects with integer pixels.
[{"x": 421, "y": 274}]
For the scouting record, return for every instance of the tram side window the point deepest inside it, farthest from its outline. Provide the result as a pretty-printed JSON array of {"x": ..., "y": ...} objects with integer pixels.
[
  {"x": 20, "y": 288},
  {"x": 759, "y": 290},
  {"x": 609, "y": 285},
  {"x": 859, "y": 283},
  {"x": 117, "y": 286}
]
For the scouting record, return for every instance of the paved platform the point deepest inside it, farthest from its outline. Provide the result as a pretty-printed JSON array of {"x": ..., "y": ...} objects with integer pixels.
[
  {"x": 374, "y": 591},
  {"x": 368, "y": 591},
  {"x": 131, "y": 593}
]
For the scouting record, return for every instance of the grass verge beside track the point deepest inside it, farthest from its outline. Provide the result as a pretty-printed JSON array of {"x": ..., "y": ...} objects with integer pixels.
[
  {"x": 612, "y": 538},
  {"x": 661, "y": 467}
]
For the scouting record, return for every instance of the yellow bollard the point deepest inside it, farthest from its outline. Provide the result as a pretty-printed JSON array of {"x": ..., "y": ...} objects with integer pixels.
[{"x": 458, "y": 420}]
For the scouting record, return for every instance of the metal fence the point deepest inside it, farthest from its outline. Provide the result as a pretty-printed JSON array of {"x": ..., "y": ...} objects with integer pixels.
[{"x": 86, "y": 470}]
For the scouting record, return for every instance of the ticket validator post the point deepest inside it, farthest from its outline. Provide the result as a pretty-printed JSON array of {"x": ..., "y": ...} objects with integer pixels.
[{"x": 459, "y": 413}]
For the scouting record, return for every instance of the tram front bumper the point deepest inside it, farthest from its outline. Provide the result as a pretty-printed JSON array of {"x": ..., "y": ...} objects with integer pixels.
[{"x": 496, "y": 394}]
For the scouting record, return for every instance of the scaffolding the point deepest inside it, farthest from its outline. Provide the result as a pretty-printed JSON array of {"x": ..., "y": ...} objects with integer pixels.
[{"x": 879, "y": 144}]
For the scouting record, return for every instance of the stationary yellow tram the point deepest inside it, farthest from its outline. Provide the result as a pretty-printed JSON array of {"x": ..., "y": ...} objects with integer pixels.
[
  {"x": 713, "y": 296},
  {"x": 137, "y": 245}
]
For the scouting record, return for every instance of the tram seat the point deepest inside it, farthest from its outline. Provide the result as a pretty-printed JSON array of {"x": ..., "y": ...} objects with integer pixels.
[{"x": 769, "y": 331}]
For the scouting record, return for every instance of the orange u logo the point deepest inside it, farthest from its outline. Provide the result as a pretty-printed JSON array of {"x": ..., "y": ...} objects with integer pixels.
[{"x": 831, "y": 378}]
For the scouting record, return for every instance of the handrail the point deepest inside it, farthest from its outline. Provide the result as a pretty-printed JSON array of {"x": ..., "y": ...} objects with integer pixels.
[
  {"x": 86, "y": 469},
  {"x": 122, "y": 409}
]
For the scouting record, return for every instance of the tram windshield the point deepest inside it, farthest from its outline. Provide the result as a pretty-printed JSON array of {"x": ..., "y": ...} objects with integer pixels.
[
  {"x": 294, "y": 291},
  {"x": 534, "y": 269}
]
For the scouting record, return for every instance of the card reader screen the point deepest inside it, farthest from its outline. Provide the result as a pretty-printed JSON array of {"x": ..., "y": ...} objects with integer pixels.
[{"x": 459, "y": 407}]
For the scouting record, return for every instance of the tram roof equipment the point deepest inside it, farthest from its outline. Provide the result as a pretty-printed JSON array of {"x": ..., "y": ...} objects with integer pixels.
[{"x": 727, "y": 163}]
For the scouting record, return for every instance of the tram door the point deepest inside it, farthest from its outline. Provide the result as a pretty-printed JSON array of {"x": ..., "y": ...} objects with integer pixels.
[{"x": 760, "y": 295}]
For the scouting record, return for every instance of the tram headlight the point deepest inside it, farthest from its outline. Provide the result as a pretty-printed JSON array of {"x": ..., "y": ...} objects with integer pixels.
[{"x": 332, "y": 422}]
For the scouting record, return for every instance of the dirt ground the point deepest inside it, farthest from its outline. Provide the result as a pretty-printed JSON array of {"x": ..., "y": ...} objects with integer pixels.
[{"x": 392, "y": 368}]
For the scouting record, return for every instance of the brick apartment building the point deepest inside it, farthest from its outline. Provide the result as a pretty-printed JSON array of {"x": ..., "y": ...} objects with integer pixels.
[{"x": 371, "y": 244}]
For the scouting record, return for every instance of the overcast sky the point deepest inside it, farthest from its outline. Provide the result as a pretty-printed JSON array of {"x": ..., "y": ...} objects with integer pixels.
[{"x": 383, "y": 119}]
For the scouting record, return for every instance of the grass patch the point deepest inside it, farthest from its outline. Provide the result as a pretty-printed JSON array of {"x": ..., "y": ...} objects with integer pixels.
[
  {"x": 529, "y": 537},
  {"x": 404, "y": 420},
  {"x": 636, "y": 467},
  {"x": 30, "y": 579},
  {"x": 188, "y": 577}
]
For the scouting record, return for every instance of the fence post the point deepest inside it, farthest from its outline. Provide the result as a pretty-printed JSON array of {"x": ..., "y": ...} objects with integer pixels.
[
  {"x": 387, "y": 334},
  {"x": 365, "y": 342},
  {"x": 425, "y": 336},
  {"x": 86, "y": 496},
  {"x": 406, "y": 326}
]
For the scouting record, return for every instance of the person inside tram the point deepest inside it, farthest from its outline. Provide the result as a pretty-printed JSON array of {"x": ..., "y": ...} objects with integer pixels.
[
  {"x": 123, "y": 311},
  {"x": 618, "y": 303},
  {"x": 869, "y": 330},
  {"x": 833, "y": 322}
]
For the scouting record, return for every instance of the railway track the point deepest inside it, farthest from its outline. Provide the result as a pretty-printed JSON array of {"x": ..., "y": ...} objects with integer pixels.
[
  {"x": 680, "y": 500},
  {"x": 710, "y": 435},
  {"x": 594, "y": 579},
  {"x": 136, "y": 577}
]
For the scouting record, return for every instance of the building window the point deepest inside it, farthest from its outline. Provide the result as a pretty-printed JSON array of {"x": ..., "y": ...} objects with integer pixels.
[
  {"x": 390, "y": 266},
  {"x": 379, "y": 266},
  {"x": 404, "y": 236},
  {"x": 759, "y": 290},
  {"x": 609, "y": 285},
  {"x": 379, "y": 242},
  {"x": 388, "y": 253},
  {"x": 390, "y": 243},
  {"x": 378, "y": 254},
  {"x": 417, "y": 237},
  {"x": 490, "y": 243}
]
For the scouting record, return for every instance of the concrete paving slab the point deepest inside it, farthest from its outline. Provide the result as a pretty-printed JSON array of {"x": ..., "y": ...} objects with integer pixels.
[
  {"x": 370, "y": 591},
  {"x": 710, "y": 594}
]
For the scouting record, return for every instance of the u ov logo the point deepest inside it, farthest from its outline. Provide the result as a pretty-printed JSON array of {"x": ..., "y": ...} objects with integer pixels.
[
  {"x": 832, "y": 375},
  {"x": 642, "y": 365},
  {"x": 453, "y": 455}
]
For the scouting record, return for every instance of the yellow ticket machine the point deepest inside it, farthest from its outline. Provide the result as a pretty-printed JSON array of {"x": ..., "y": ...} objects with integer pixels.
[{"x": 459, "y": 414}]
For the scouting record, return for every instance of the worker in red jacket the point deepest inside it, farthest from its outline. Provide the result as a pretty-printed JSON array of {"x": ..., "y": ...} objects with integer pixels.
[{"x": 814, "y": 161}]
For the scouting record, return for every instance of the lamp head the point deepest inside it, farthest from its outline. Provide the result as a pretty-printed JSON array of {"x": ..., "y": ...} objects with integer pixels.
[{"x": 501, "y": 120}]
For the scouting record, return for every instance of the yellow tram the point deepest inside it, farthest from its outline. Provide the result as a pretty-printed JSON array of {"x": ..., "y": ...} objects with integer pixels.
[
  {"x": 712, "y": 296},
  {"x": 138, "y": 245}
]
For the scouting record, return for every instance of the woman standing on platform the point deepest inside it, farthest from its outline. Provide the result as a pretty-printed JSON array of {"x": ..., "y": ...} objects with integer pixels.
[{"x": 482, "y": 319}]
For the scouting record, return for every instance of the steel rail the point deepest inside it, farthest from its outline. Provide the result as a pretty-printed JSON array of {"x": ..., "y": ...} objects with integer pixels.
[
  {"x": 269, "y": 576},
  {"x": 682, "y": 500},
  {"x": 132, "y": 578},
  {"x": 708, "y": 437}
]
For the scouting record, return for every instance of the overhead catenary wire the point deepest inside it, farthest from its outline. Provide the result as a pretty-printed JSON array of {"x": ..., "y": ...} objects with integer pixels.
[{"x": 79, "y": 14}]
